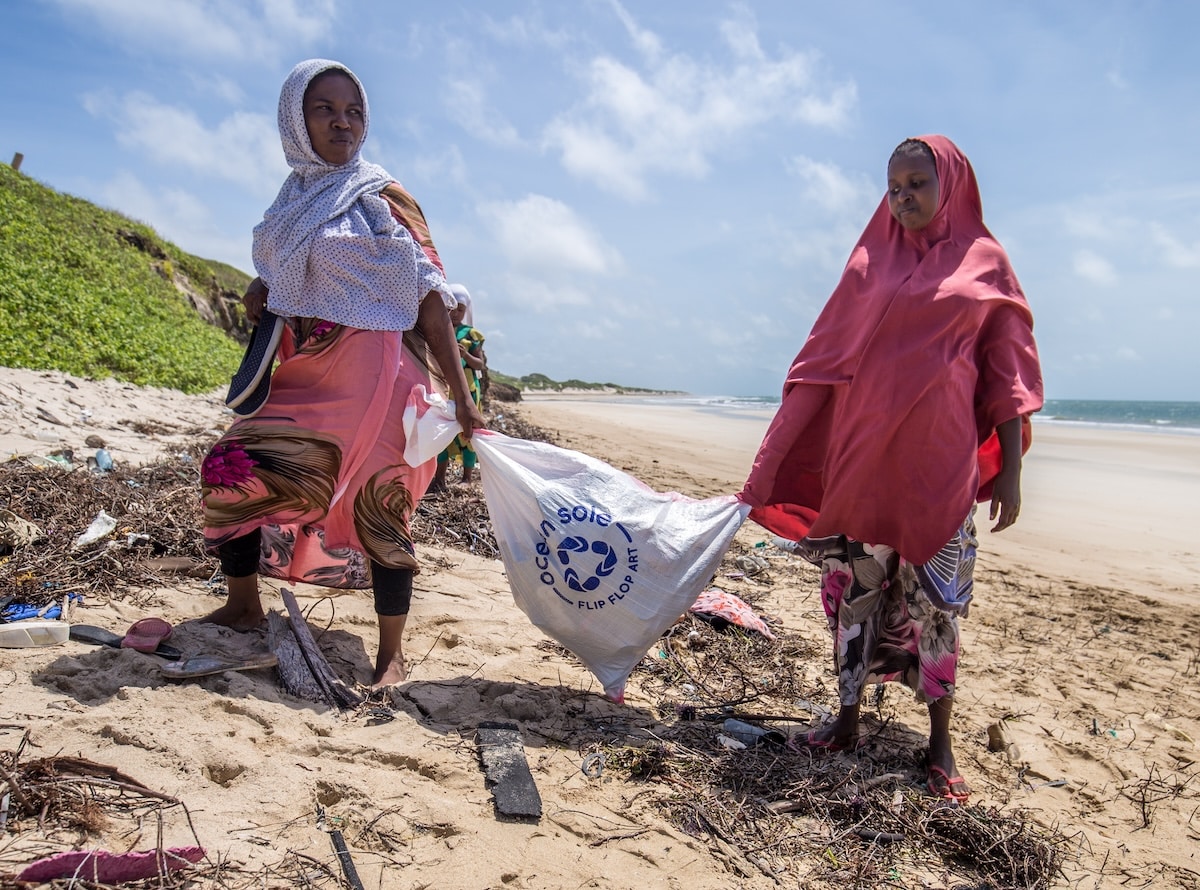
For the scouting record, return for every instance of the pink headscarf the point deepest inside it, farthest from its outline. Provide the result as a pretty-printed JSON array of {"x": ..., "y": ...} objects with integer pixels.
[{"x": 886, "y": 432}]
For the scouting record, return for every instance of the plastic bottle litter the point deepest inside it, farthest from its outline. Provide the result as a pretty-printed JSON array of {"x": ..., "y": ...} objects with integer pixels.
[
  {"x": 104, "y": 461},
  {"x": 102, "y": 526},
  {"x": 784, "y": 544},
  {"x": 749, "y": 734}
]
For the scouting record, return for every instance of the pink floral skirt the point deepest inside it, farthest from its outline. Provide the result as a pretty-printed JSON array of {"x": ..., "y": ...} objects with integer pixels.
[
  {"x": 885, "y": 627},
  {"x": 320, "y": 469}
]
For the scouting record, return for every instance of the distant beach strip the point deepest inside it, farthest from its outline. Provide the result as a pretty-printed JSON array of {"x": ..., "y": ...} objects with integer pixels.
[{"x": 1168, "y": 417}]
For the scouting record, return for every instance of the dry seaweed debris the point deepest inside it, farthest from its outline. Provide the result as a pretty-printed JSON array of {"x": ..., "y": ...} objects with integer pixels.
[
  {"x": 157, "y": 512},
  {"x": 157, "y": 508},
  {"x": 857, "y": 819},
  {"x": 53, "y": 804}
]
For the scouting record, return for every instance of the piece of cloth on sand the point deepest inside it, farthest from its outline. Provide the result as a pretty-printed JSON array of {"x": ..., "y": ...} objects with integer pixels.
[
  {"x": 721, "y": 604},
  {"x": 102, "y": 867}
]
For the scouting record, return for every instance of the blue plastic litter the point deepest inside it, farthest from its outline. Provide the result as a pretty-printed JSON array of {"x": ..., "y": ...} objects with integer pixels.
[{"x": 21, "y": 611}]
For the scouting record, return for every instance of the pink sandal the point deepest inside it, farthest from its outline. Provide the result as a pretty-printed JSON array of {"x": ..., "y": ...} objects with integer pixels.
[
  {"x": 146, "y": 634},
  {"x": 809, "y": 742},
  {"x": 941, "y": 785}
]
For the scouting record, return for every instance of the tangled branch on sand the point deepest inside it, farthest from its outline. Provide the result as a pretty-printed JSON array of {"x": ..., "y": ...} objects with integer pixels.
[{"x": 158, "y": 528}]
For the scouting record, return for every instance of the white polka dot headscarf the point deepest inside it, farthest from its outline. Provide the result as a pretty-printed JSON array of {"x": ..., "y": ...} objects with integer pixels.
[
  {"x": 297, "y": 148},
  {"x": 328, "y": 247}
]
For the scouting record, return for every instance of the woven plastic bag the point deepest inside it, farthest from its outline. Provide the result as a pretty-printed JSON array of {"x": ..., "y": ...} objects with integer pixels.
[{"x": 599, "y": 561}]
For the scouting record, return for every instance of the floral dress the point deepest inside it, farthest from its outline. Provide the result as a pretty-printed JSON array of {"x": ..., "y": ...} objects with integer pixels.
[{"x": 891, "y": 620}]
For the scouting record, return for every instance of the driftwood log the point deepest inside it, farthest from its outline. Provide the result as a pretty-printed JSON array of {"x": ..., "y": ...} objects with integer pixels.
[
  {"x": 293, "y": 669},
  {"x": 302, "y": 667}
]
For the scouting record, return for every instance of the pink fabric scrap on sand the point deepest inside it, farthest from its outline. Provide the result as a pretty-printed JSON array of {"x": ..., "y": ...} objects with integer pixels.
[
  {"x": 733, "y": 609},
  {"x": 110, "y": 868}
]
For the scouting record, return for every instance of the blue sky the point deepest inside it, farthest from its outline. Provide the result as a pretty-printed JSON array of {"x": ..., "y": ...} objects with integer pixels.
[{"x": 663, "y": 193}]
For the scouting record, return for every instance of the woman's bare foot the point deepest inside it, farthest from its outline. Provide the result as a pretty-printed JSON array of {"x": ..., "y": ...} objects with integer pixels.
[
  {"x": 944, "y": 778},
  {"x": 237, "y": 616},
  {"x": 390, "y": 673}
]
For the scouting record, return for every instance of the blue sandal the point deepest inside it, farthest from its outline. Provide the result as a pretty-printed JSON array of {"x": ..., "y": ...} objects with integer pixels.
[{"x": 251, "y": 383}]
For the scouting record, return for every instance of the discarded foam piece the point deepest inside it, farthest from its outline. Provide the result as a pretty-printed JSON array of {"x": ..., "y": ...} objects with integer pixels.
[
  {"x": 503, "y": 756},
  {"x": 33, "y": 632}
]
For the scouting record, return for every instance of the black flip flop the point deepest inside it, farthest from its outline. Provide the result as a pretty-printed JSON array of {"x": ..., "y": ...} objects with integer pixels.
[
  {"x": 98, "y": 636},
  {"x": 251, "y": 382}
]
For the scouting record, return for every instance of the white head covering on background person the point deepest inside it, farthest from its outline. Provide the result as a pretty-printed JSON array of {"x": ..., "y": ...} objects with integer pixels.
[
  {"x": 464, "y": 296},
  {"x": 329, "y": 247}
]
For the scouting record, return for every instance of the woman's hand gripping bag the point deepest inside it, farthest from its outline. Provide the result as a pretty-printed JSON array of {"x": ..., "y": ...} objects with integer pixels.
[{"x": 597, "y": 560}]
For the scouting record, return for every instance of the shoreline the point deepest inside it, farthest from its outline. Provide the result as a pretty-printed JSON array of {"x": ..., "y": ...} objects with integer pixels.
[{"x": 770, "y": 404}]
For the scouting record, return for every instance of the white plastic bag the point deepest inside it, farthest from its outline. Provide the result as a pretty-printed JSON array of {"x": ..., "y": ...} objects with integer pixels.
[
  {"x": 429, "y": 426},
  {"x": 599, "y": 561}
]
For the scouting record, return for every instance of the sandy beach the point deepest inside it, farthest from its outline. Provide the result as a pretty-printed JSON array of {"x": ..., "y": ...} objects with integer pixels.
[{"x": 1083, "y": 638}]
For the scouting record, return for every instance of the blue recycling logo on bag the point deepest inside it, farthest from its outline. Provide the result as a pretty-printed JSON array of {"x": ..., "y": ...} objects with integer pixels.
[{"x": 583, "y": 551}]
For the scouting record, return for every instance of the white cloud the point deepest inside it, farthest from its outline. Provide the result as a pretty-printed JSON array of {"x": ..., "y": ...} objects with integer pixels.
[
  {"x": 1175, "y": 252},
  {"x": 1128, "y": 354},
  {"x": 208, "y": 29},
  {"x": 525, "y": 32},
  {"x": 468, "y": 104},
  {"x": 243, "y": 148},
  {"x": 180, "y": 217},
  {"x": 849, "y": 196},
  {"x": 538, "y": 294},
  {"x": 1092, "y": 267},
  {"x": 646, "y": 42},
  {"x": 678, "y": 111},
  {"x": 541, "y": 233},
  {"x": 448, "y": 165}
]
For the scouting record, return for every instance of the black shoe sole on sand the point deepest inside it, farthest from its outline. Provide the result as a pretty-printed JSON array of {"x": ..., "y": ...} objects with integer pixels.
[
  {"x": 98, "y": 636},
  {"x": 251, "y": 383}
]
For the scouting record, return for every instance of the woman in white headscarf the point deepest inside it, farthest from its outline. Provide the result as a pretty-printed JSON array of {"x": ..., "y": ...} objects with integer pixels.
[{"x": 313, "y": 487}]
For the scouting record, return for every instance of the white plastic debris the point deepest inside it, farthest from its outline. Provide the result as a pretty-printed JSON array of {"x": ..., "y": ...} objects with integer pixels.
[{"x": 102, "y": 526}]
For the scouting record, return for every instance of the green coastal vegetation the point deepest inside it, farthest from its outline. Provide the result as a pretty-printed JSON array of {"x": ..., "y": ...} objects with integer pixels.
[{"x": 93, "y": 293}]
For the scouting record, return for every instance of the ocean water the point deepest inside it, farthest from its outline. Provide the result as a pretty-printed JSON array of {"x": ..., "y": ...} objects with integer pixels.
[
  {"x": 1168, "y": 417},
  {"x": 1165, "y": 416}
]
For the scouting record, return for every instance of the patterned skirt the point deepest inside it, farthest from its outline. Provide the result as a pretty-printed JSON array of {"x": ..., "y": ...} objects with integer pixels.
[
  {"x": 891, "y": 620},
  {"x": 320, "y": 468}
]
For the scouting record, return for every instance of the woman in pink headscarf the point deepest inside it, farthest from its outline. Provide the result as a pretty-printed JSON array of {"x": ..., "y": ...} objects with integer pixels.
[{"x": 908, "y": 403}]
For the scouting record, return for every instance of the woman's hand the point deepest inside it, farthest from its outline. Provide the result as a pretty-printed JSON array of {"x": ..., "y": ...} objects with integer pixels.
[
  {"x": 468, "y": 416},
  {"x": 255, "y": 300},
  {"x": 1006, "y": 497},
  {"x": 1006, "y": 487},
  {"x": 434, "y": 322}
]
